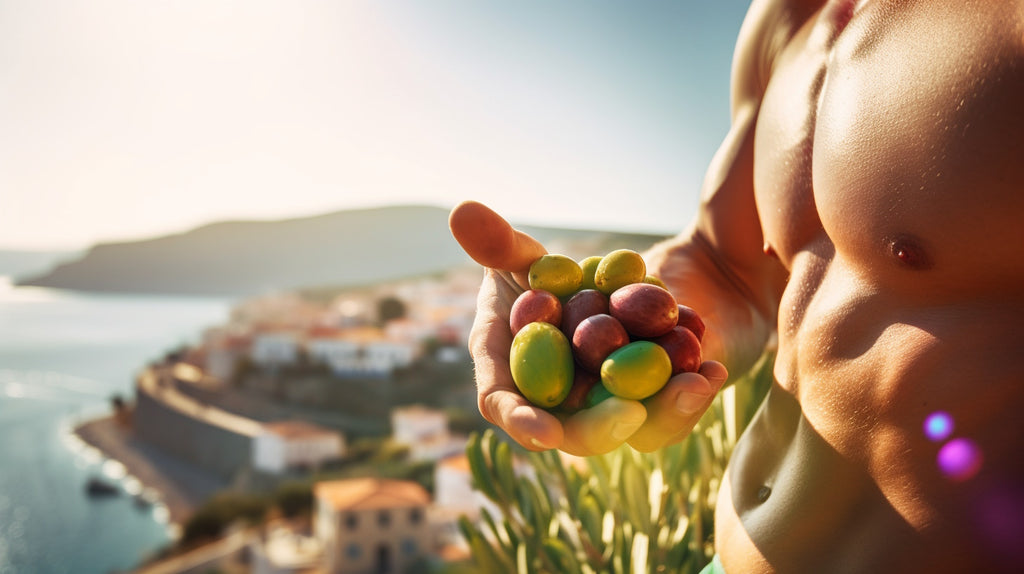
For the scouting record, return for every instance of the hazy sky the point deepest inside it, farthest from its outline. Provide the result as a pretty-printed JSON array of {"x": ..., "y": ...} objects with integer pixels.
[{"x": 123, "y": 119}]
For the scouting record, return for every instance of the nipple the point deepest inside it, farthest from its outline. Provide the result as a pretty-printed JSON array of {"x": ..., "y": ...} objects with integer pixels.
[
  {"x": 909, "y": 252},
  {"x": 763, "y": 493},
  {"x": 769, "y": 250}
]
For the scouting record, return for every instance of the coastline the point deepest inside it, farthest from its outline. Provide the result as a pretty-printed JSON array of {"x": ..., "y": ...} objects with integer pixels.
[{"x": 181, "y": 487}]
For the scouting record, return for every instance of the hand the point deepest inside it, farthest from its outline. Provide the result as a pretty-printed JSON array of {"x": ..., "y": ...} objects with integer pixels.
[{"x": 507, "y": 254}]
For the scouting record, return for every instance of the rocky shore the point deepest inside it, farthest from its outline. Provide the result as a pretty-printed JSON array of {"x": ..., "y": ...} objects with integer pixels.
[{"x": 182, "y": 488}]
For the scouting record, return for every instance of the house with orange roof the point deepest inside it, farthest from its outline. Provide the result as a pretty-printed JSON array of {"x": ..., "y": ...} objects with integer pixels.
[{"x": 372, "y": 524}]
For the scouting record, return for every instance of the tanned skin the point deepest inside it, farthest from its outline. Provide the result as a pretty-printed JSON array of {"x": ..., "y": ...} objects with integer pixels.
[{"x": 864, "y": 218}]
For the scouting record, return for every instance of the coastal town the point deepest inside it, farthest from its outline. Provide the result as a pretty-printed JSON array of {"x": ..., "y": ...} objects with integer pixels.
[{"x": 356, "y": 403}]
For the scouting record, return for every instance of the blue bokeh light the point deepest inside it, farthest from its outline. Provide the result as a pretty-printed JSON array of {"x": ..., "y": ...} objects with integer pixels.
[{"x": 938, "y": 426}]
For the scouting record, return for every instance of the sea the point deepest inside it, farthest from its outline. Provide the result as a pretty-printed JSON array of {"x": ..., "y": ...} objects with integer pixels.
[{"x": 63, "y": 356}]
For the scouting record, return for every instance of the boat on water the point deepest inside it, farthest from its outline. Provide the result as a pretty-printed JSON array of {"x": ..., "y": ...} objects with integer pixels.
[{"x": 98, "y": 487}]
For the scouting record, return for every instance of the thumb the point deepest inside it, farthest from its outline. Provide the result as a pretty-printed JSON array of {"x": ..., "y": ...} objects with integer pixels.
[
  {"x": 675, "y": 410},
  {"x": 490, "y": 240}
]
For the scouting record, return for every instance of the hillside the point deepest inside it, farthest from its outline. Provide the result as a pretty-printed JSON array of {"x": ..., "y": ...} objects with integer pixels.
[{"x": 344, "y": 248}]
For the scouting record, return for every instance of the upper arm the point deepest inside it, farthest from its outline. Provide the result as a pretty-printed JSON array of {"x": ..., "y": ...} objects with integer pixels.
[
  {"x": 767, "y": 29},
  {"x": 717, "y": 265},
  {"x": 727, "y": 219}
]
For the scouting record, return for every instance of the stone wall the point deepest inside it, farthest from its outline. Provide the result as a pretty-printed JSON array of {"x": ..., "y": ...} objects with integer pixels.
[{"x": 188, "y": 434}]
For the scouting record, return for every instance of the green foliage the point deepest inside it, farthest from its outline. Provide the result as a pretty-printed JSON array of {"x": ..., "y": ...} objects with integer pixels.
[
  {"x": 363, "y": 449},
  {"x": 463, "y": 421},
  {"x": 390, "y": 308},
  {"x": 294, "y": 498},
  {"x": 220, "y": 512},
  {"x": 623, "y": 512},
  {"x": 390, "y": 451},
  {"x": 384, "y": 458}
]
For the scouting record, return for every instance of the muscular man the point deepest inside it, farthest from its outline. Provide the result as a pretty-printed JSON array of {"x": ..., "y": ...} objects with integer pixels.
[{"x": 865, "y": 214}]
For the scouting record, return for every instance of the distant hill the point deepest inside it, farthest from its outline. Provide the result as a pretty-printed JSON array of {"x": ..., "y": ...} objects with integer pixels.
[
  {"x": 21, "y": 263},
  {"x": 344, "y": 248}
]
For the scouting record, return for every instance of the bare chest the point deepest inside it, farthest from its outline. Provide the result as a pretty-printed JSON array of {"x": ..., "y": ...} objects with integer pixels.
[
  {"x": 889, "y": 178},
  {"x": 901, "y": 152}
]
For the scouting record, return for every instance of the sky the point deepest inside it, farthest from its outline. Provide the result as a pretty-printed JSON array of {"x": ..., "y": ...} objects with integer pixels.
[{"x": 126, "y": 119}]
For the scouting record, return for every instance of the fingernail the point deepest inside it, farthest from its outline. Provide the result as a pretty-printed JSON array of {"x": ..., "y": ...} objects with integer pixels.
[
  {"x": 690, "y": 403},
  {"x": 622, "y": 431},
  {"x": 539, "y": 444}
]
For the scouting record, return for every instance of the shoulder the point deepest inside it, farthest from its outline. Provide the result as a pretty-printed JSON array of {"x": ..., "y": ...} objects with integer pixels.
[{"x": 767, "y": 29}]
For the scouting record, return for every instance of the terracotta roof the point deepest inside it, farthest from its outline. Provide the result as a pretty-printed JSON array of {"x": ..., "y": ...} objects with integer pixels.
[
  {"x": 455, "y": 462},
  {"x": 297, "y": 429},
  {"x": 371, "y": 493},
  {"x": 455, "y": 553},
  {"x": 362, "y": 334},
  {"x": 323, "y": 332},
  {"x": 231, "y": 342},
  {"x": 417, "y": 410}
]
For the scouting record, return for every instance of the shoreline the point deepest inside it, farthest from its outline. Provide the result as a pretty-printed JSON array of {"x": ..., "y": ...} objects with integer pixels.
[{"x": 181, "y": 487}]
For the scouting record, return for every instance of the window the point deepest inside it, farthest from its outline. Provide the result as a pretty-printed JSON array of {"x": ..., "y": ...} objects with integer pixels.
[
  {"x": 409, "y": 547},
  {"x": 416, "y": 515},
  {"x": 353, "y": 551},
  {"x": 384, "y": 518},
  {"x": 351, "y": 521}
]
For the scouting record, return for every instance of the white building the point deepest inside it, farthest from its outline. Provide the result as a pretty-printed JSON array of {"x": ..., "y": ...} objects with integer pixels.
[
  {"x": 372, "y": 525},
  {"x": 395, "y": 354},
  {"x": 338, "y": 353},
  {"x": 274, "y": 348},
  {"x": 453, "y": 488},
  {"x": 417, "y": 423},
  {"x": 224, "y": 354},
  {"x": 289, "y": 445},
  {"x": 437, "y": 448},
  {"x": 425, "y": 432},
  {"x": 409, "y": 331},
  {"x": 286, "y": 552},
  {"x": 361, "y": 352}
]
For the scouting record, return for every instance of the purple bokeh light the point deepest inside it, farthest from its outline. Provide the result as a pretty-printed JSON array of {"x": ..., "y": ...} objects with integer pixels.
[
  {"x": 960, "y": 459},
  {"x": 1001, "y": 516},
  {"x": 938, "y": 426}
]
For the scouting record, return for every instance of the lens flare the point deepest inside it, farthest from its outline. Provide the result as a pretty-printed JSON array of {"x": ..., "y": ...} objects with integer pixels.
[
  {"x": 1001, "y": 516},
  {"x": 959, "y": 459},
  {"x": 938, "y": 426}
]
